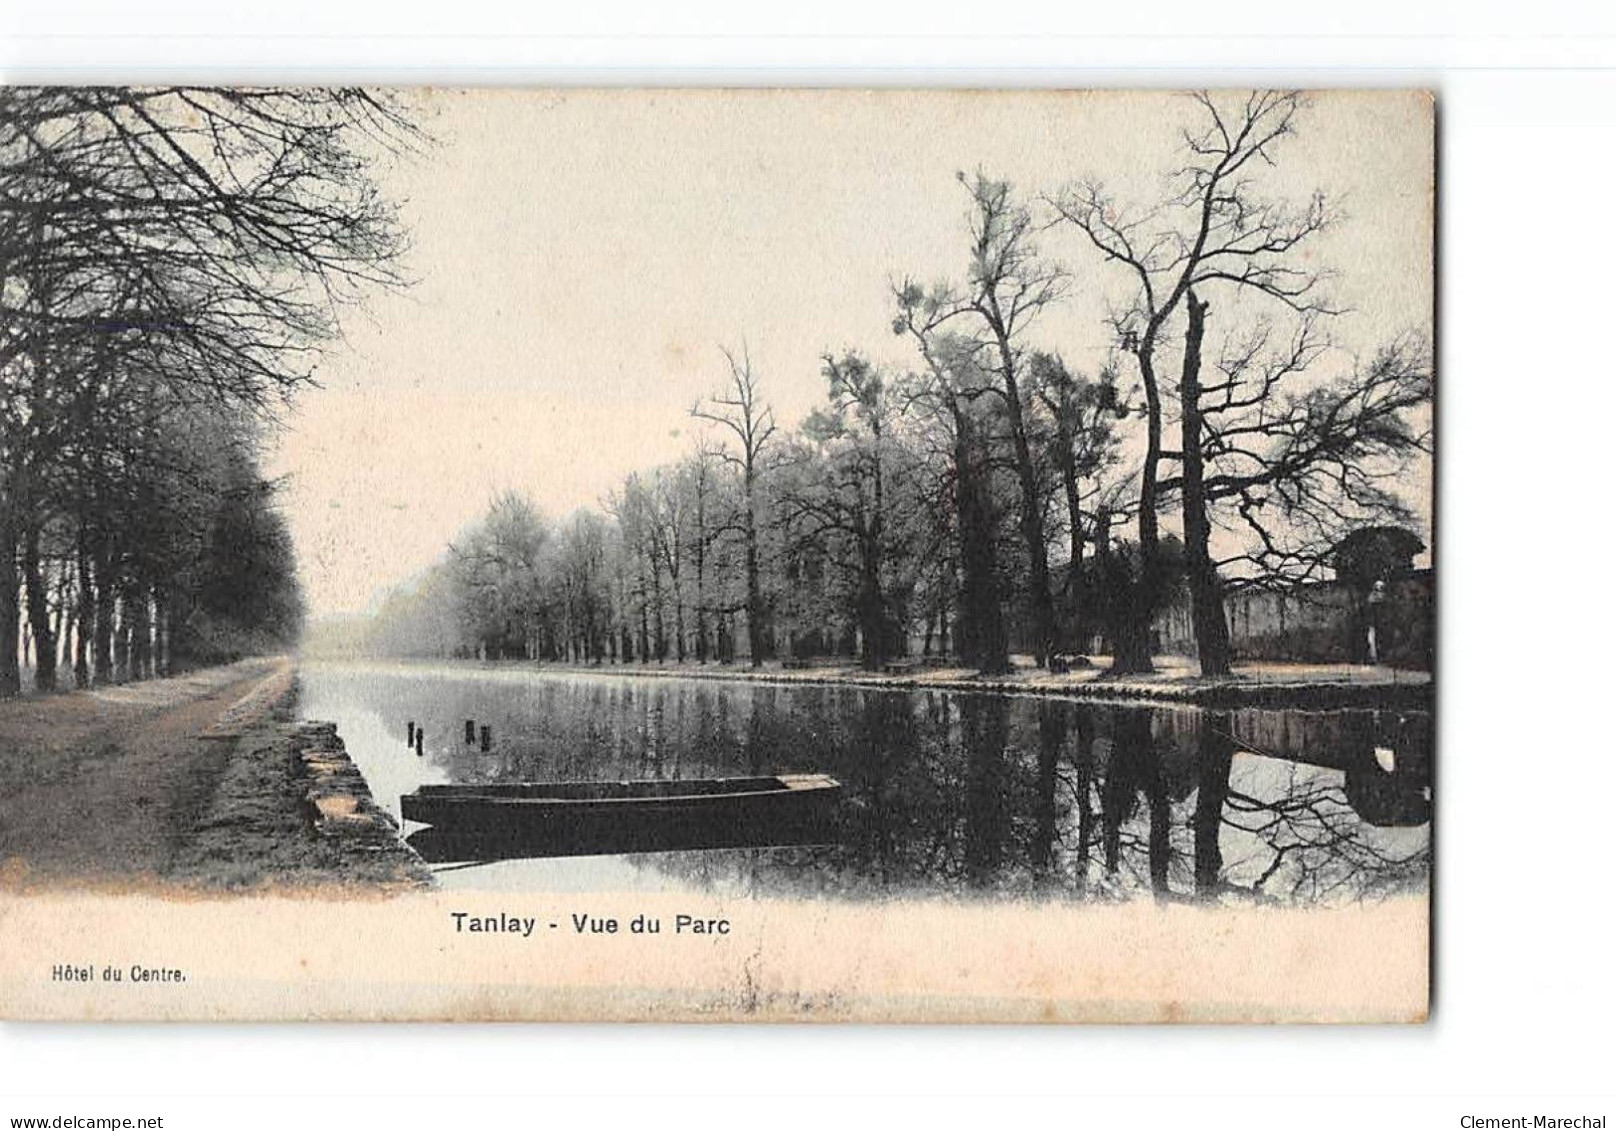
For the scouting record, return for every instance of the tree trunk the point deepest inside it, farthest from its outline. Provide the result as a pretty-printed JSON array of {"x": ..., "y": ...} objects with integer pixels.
[
  {"x": 701, "y": 569},
  {"x": 120, "y": 643},
  {"x": 871, "y": 606},
  {"x": 39, "y": 620},
  {"x": 1074, "y": 518},
  {"x": 62, "y": 619},
  {"x": 86, "y": 617},
  {"x": 661, "y": 639},
  {"x": 26, "y": 515},
  {"x": 160, "y": 658},
  {"x": 872, "y": 601},
  {"x": 979, "y": 628},
  {"x": 10, "y": 609},
  {"x": 1206, "y": 592},
  {"x": 140, "y": 634},
  {"x": 1040, "y": 602},
  {"x": 645, "y": 620},
  {"x": 678, "y": 620},
  {"x": 105, "y": 610},
  {"x": 889, "y": 641},
  {"x": 754, "y": 590},
  {"x": 1132, "y": 645}
]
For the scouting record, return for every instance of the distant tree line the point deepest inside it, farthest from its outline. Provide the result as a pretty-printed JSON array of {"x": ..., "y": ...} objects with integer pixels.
[
  {"x": 170, "y": 260},
  {"x": 990, "y": 495}
]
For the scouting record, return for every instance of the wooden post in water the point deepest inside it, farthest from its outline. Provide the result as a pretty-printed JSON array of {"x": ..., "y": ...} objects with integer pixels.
[
  {"x": 471, "y": 732},
  {"x": 410, "y": 738},
  {"x": 487, "y": 736}
]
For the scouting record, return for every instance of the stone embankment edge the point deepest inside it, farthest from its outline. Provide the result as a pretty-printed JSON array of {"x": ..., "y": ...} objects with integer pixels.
[{"x": 339, "y": 804}]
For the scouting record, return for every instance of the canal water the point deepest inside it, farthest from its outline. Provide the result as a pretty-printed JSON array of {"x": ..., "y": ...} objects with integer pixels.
[{"x": 951, "y": 794}]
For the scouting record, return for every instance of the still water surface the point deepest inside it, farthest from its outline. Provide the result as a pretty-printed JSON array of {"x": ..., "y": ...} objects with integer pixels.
[{"x": 948, "y": 794}]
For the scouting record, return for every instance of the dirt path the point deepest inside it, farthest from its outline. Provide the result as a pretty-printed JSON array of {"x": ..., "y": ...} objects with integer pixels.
[{"x": 103, "y": 786}]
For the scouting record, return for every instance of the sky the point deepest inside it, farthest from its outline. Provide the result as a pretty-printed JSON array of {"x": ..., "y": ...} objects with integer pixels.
[{"x": 580, "y": 257}]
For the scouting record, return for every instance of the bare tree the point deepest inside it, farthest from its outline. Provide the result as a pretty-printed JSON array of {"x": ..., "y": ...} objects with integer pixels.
[
  {"x": 633, "y": 508},
  {"x": 1213, "y": 228},
  {"x": 950, "y": 389},
  {"x": 697, "y": 475},
  {"x": 498, "y": 566},
  {"x": 1298, "y": 461},
  {"x": 1083, "y": 446},
  {"x": 1008, "y": 286},
  {"x": 840, "y": 506},
  {"x": 1206, "y": 593},
  {"x": 667, "y": 537},
  {"x": 740, "y": 411}
]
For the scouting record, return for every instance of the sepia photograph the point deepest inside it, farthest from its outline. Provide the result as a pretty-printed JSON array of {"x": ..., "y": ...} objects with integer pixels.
[{"x": 717, "y": 554}]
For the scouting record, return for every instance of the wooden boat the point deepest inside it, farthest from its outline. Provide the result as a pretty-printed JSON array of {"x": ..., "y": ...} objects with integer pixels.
[{"x": 579, "y": 818}]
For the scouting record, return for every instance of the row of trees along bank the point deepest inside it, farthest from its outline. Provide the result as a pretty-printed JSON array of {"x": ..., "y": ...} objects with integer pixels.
[
  {"x": 170, "y": 261},
  {"x": 988, "y": 495}
]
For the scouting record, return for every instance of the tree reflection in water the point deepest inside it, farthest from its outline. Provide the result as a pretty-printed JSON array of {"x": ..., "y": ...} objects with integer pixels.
[
  {"x": 953, "y": 793},
  {"x": 1062, "y": 800}
]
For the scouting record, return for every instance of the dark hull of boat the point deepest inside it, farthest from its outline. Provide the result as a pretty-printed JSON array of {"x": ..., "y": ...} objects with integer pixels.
[
  {"x": 436, "y": 846},
  {"x": 571, "y": 819}
]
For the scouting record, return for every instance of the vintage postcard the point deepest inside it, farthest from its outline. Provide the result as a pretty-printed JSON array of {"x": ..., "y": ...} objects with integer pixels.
[{"x": 716, "y": 554}]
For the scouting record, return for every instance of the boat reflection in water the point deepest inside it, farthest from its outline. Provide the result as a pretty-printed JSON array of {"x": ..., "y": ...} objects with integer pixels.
[{"x": 940, "y": 793}]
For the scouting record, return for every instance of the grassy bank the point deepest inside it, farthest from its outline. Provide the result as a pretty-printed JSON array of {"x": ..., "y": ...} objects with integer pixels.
[{"x": 292, "y": 811}]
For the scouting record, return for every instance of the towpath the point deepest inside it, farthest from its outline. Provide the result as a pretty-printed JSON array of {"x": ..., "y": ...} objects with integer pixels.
[{"x": 105, "y": 785}]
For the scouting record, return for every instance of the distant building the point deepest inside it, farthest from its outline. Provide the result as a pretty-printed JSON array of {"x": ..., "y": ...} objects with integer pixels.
[
  {"x": 1376, "y": 585},
  {"x": 1322, "y": 622}
]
